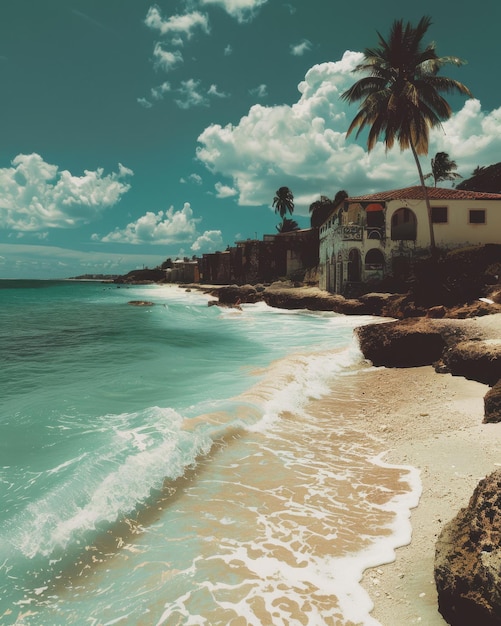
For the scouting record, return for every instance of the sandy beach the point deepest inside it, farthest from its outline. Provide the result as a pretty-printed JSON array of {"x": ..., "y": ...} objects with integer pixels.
[{"x": 434, "y": 423}]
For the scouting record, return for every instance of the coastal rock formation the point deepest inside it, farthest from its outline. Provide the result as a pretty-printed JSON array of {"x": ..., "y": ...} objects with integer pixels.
[
  {"x": 406, "y": 343},
  {"x": 468, "y": 560},
  {"x": 140, "y": 303},
  {"x": 234, "y": 294},
  {"x": 492, "y": 404},
  {"x": 477, "y": 360}
]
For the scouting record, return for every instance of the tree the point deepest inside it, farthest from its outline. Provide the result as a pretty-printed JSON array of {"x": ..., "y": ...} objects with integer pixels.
[
  {"x": 484, "y": 179},
  {"x": 283, "y": 202},
  {"x": 287, "y": 226},
  {"x": 321, "y": 209},
  {"x": 401, "y": 96},
  {"x": 442, "y": 168}
]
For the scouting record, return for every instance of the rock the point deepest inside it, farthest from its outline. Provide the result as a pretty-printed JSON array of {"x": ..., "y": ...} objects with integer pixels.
[
  {"x": 140, "y": 303},
  {"x": 406, "y": 343},
  {"x": 492, "y": 404},
  {"x": 477, "y": 360},
  {"x": 436, "y": 312},
  {"x": 468, "y": 560},
  {"x": 234, "y": 294}
]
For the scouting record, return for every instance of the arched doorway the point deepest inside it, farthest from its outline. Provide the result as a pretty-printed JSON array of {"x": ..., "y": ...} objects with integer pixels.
[
  {"x": 404, "y": 225},
  {"x": 354, "y": 266}
]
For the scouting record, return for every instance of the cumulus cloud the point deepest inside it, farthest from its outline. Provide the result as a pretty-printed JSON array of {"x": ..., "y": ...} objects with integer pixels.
[
  {"x": 35, "y": 195},
  {"x": 162, "y": 228},
  {"x": 164, "y": 59},
  {"x": 224, "y": 191},
  {"x": 193, "y": 178},
  {"x": 304, "y": 146},
  {"x": 210, "y": 241},
  {"x": 300, "y": 48},
  {"x": 191, "y": 95},
  {"x": 176, "y": 24},
  {"x": 241, "y": 10}
]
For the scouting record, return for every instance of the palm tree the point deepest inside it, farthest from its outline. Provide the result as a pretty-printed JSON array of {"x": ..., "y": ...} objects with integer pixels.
[
  {"x": 287, "y": 226},
  {"x": 442, "y": 168},
  {"x": 321, "y": 209},
  {"x": 283, "y": 201},
  {"x": 401, "y": 96}
]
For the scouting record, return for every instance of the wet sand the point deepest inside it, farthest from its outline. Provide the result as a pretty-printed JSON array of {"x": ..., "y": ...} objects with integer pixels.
[{"x": 434, "y": 423}]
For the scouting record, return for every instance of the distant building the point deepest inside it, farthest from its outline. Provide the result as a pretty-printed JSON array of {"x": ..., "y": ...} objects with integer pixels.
[
  {"x": 183, "y": 272},
  {"x": 285, "y": 255},
  {"x": 368, "y": 236}
]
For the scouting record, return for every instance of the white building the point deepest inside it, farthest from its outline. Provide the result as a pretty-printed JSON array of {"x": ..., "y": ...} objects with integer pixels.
[{"x": 365, "y": 236}]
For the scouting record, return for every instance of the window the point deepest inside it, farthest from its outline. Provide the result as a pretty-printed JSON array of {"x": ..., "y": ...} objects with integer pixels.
[
  {"x": 403, "y": 225},
  {"x": 477, "y": 216},
  {"x": 439, "y": 214}
]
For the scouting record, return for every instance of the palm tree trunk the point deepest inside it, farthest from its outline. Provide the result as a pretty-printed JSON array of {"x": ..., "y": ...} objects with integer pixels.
[{"x": 433, "y": 249}]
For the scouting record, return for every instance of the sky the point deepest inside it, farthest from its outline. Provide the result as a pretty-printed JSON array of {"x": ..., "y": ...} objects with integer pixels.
[{"x": 131, "y": 132}]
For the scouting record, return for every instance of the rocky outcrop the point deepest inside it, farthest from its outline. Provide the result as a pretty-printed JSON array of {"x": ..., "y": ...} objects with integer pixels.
[
  {"x": 492, "y": 404},
  {"x": 235, "y": 294},
  {"x": 406, "y": 343},
  {"x": 477, "y": 360},
  {"x": 468, "y": 560}
]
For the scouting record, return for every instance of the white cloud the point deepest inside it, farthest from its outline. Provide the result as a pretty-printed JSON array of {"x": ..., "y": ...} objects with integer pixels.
[
  {"x": 162, "y": 228},
  {"x": 228, "y": 51},
  {"x": 241, "y": 10},
  {"x": 300, "y": 48},
  {"x": 166, "y": 60},
  {"x": 213, "y": 91},
  {"x": 210, "y": 241},
  {"x": 224, "y": 191},
  {"x": 35, "y": 195},
  {"x": 191, "y": 95},
  {"x": 304, "y": 146},
  {"x": 176, "y": 24},
  {"x": 261, "y": 91},
  {"x": 144, "y": 103},
  {"x": 157, "y": 93},
  {"x": 193, "y": 178}
]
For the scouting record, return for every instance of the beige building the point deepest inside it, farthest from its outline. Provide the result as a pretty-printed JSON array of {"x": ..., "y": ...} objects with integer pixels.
[{"x": 364, "y": 237}]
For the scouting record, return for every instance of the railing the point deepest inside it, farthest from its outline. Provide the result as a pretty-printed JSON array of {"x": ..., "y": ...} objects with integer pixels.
[{"x": 351, "y": 232}]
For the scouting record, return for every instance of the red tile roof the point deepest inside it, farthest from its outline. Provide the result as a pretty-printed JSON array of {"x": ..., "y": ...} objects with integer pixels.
[{"x": 416, "y": 193}]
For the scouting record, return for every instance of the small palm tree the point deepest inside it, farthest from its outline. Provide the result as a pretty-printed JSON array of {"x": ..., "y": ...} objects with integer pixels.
[
  {"x": 401, "y": 96},
  {"x": 283, "y": 201},
  {"x": 287, "y": 226},
  {"x": 321, "y": 209},
  {"x": 442, "y": 168}
]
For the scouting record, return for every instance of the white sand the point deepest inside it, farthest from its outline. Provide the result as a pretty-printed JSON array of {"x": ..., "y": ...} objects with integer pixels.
[{"x": 433, "y": 422}]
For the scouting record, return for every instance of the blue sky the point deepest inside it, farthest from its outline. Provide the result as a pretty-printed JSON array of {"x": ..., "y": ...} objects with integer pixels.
[{"x": 133, "y": 131}]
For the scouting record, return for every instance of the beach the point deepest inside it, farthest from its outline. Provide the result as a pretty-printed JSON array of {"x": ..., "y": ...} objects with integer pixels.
[{"x": 432, "y": 422}]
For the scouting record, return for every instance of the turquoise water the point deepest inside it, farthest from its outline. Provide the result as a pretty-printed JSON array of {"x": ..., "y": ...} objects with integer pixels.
[{"x": 162, "y": 464}]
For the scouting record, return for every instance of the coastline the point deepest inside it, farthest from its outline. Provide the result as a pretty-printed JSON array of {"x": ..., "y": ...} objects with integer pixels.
[{"x": 432, "y": 422}]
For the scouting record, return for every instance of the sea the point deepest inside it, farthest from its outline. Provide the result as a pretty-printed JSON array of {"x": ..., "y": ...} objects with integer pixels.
[{"x": 184, "y": 464}]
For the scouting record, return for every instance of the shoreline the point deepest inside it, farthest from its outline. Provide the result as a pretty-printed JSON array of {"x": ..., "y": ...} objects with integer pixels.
[{"x": 432, "y": 422}]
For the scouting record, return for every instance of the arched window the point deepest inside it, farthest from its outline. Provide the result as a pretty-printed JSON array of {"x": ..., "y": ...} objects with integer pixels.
[
  {"x": 403, "y": 225},
  {"x": 374, "y": 260}
]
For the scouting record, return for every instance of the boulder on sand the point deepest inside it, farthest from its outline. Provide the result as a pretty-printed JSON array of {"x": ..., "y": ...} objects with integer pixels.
[
  {"x": 406, "y": 343},
  {"x": 468, "y": 560}
]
